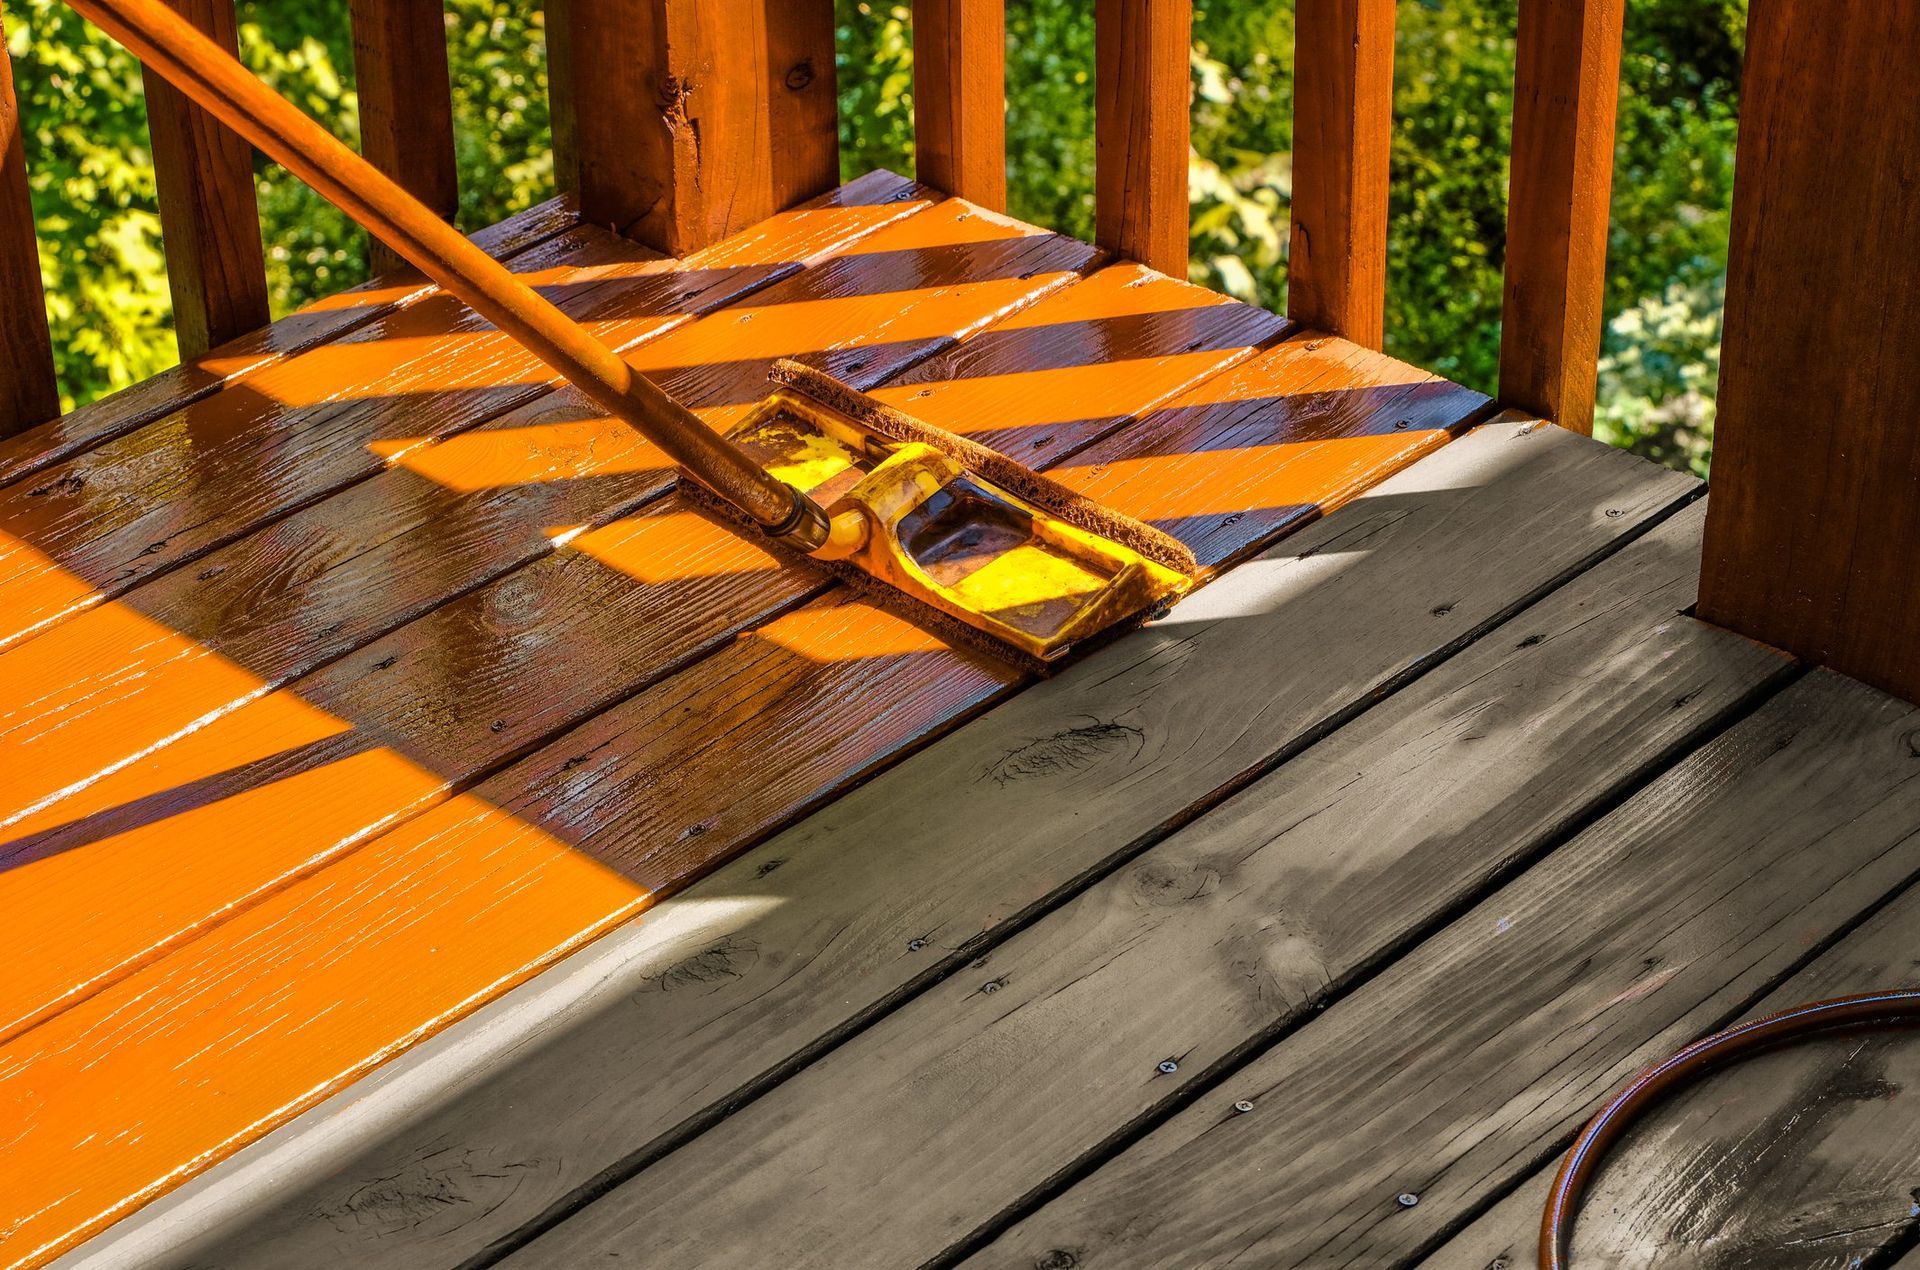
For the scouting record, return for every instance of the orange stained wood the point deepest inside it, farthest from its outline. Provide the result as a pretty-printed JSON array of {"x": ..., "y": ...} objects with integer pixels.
[
  {"x": 1566, "y": 92},
  {"x": 406, "y": 106},
  {"x": 1142, "y": 122},
  {"x": 960, "y": 97},
  {"x": 201, "y": 730},
  {"x": 627, "y": 636},
  {"x": 179, "y": 386},
  {"x": 29, "y": 392},
  {"x": 209, "y": 218},
  {"x": 1343, "y": 132},
  {"x": 93, "y": 527}
]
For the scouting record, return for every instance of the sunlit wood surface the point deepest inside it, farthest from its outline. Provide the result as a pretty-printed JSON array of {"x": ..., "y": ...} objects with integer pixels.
[
  {"x": 395, "y": 745},
  {"x": 355, "y": 673}
]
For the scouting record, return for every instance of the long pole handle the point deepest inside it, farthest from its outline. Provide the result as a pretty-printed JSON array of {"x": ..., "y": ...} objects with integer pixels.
[{"x": 219, "y": 84}]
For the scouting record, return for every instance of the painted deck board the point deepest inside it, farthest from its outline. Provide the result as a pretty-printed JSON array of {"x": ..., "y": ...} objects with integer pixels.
[
  {"x": 1245, "y": 922},
  {"x": 1670, "y": 916},
  {"x": 179, "y": 386},
  {"x": 808, "y": 935}
]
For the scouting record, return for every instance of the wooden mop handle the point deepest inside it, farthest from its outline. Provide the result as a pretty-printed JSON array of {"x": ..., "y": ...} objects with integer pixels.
[{"x": 206, "y": 73}]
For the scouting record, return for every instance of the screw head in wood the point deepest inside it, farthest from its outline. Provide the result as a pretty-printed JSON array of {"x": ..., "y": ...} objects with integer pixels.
[
  {"x": 915, "y": 945},
  {"x": 991, "y": 985},
  {"x": 1243, "y": 1106},
  {"x": 1168, "y": 1067},
  {"x": 1406, "y": 1199}
]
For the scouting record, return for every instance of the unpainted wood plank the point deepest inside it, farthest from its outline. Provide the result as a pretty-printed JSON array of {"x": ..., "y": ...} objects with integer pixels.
[
  {"x": 193, "y": 706},
  {"x": 1815, "y": 541},
  {"x": 209, "y": 218},
  {"x": 30, "y": 392},
  {"x": 1566, "y": 93},
  {"x": 181, "y": 385},
  {"x": 1795, "y": 1160},
  {"x": 960, "y": 97},
  {"x": 1343, "y": 134},
  {"x": 669, "y": 109},
  {"x": 1454, "y": 1071},
  {"x": 406, "y": 103},
  {"x": 826, "y": 923},
  {"x": 804, "y": 101},
  {"x": 1247, "y": 920},
  {"x": 357, "y": 746},
  {"x": 1141, "y": 126}
]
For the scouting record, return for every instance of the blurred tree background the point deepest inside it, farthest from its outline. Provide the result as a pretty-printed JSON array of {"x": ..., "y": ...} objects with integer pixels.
[{"x": 100, "y": 253}]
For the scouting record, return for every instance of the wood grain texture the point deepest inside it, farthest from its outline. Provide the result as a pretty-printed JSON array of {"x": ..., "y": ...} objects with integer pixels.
[
  {"x": 1343, "y": 132},
  {"x": 29, "y": 392},
  {"x": 209, "y": 219},
  {"x": 812, "y": 931},
  {"x": 406, "y": 722},
  {"x": 1141, "y": 126},
  {"x": 1798, "y": 1160},
  {"x": 671, "y": 117},
  {"x": 1566, "y": 93},
  {"x": 1248, "y": 920},
  {"x": 960, "y": 97},
  {"x": 1674, "y": 913},
  {"x": 1815, "y": 540},
  {"x": 804, "y": 105},
  {"x": 183, "y": 687},
  {"x": 180, "y": 386},
  {"x": 406, "y": 104}
]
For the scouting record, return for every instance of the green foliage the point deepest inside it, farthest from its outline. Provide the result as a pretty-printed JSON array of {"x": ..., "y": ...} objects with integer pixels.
[
  {"x": 93, "y": 189},
  {"x": 91, "y": 171}
]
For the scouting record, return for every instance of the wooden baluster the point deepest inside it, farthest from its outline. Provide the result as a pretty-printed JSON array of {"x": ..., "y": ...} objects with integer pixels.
[
  {"x": 28, "y": 392},
  {"x": 406, "y": 103},
  {"x": 1813, "y": 528},
  {"x": 1342, "y": 137},
  {"x": 561, "y": 111},
  {"x": 1566, "y": 90},
  {"x": 804, "y": 100},
  {"x": 675, "y": 106},
  {"x": 960, "y": 98},
  {"x": 1141, "y": 126},
  {"x": 209, "y": 220}
]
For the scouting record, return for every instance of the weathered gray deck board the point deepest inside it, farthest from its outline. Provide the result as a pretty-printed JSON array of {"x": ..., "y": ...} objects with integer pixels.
[
  {"x": 1797, "y": 1160},
  {"x": 585, "y": 1072},
  {"x": 1245, "y": 921},
  {"x": 1459, "y": 1068}
]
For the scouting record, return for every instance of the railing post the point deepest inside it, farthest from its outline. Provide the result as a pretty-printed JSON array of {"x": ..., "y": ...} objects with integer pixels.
[
  {"x": 29, "y": 393},
  {"x": 210, "y": 223},
  {"x": 406, "y": 103},
  {"x": 672, "y": 108},
  {"x": 1813, "y": 526},
  {"x": 1142, "y": 125},
  {"x": 960, "y": 98},
  {"x": 1566, "y": 92},
  {"x": 1342, "y": 137},
  {"x": 562, "y": 114}
]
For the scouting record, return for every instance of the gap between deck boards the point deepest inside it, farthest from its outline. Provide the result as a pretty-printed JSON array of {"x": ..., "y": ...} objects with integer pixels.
[
  {"x": 1258, "y": 525},
  {"x": 1464, "y": 595}
]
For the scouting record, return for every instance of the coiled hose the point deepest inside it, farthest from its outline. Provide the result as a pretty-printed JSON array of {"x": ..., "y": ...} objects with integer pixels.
[{"x": 1867, "y": 1010}]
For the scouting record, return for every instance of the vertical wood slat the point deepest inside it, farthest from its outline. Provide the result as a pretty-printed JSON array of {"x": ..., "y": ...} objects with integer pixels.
[
  {"x": 1142, "y": 127},
  {"x": 406, "y": 103},
  {"x": 1342, "y": 139},
  {"x": 29, "y": 394},
  {"x": 803, "y": 96},
  {"x": 1566, "y": 93},
  {"x": 960, "y": 98},
  {"x": 692, "y": 119},
  {"x": 1813, "y": 530},
  {"x": 209, "y": 220},
  {"x": 561, "y": 108}
]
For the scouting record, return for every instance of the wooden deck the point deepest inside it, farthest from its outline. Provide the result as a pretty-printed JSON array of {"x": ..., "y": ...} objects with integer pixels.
[{"x": 362, "y": 689}]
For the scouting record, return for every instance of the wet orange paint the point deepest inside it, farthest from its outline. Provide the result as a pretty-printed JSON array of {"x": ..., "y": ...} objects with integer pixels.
[{"x": 342, "y": 955}]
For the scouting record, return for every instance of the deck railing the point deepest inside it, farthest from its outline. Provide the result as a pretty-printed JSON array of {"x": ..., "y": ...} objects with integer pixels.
[{"x": 681, "y": 121}]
